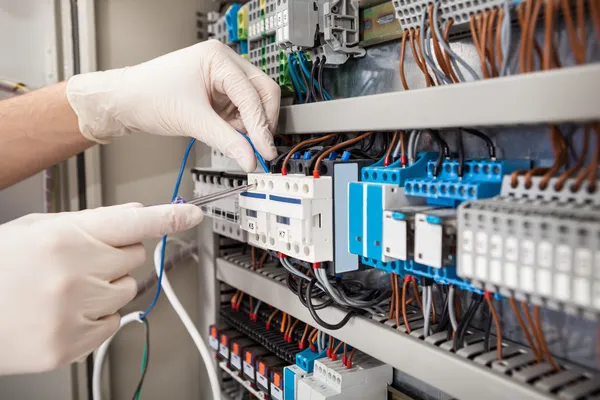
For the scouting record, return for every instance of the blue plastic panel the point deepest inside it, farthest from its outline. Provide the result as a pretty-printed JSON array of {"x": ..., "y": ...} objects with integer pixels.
[
  {"x": 306, "y": 359},
  {"x": 355, "y": 217},
  {"x": 231, "y": 22},
  {"x": 394, "y": 173}
]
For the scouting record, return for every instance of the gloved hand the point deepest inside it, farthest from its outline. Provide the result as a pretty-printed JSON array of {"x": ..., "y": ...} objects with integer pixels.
[
  {"x": 205, "y": 91},
  {"x": 65, "y": 276}
]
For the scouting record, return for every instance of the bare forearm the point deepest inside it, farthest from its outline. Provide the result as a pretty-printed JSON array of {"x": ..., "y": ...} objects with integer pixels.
[{"x": 37, "y": 130}]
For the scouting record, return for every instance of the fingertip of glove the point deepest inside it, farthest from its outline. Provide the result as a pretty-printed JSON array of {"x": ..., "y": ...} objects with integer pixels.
[{"x": 193, "y": 215}]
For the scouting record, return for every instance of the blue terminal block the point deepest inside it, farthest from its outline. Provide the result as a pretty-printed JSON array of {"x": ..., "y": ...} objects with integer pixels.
[
  {"x": 231, "y": 22},
  {"x": 481, "y": 179},
  {"x": 306, "y": 359},
  {"x": 394, "y": 174},
  {"x": 243, "y": 47}
]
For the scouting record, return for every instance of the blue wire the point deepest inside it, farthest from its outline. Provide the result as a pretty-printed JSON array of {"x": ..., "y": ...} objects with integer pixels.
[
  {"x": 164, "y": 239},
  {"x": 294, "y": 79},
  {"x": 295, "y": 62},
  {"x": 260, "y": 159},
  {"x": 306, "y": 71}
]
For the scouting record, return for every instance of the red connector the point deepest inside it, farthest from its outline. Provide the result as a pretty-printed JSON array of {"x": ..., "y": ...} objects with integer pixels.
[
  {"x": 280, "y": 255},
  {"x": 487, "y": 295},
  {"x": 301, "y": 345},
  {"x": 328, "y": 353},
  {"x": 344, "y": 360},
  {"x": 403, "y": 161},
  {"x": 333, "y": 357},
  {"x": 316, "y": 265},
  {"x": 316, "y": 174},
  {"x": 284, "y": 171},
  {"x": 313, "y": 348},
  {"x": 349, "y": 364},
  {"x": 268, "y": 326},
  {"x": 386, "y": 161}
]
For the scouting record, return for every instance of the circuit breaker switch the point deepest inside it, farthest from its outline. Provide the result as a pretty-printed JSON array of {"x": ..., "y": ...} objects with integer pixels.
[{"x": 435, "y": 237}]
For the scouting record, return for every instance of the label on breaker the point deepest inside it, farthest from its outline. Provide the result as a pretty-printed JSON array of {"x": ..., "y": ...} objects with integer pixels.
[
  {"x": 496, "y": 246},
  {"x": 262, "y": 380},
  {"x": 251, "y": 226},
  {"x": 563, "y": 258},
  {"x": 276, "y": 393},
  {"x": 213, "y": 342},
  {"x": 248, "y": 369},
  {"x": 224, "y": 350},
  {"x": 511, "y": 249},
  {"x": 545, "y": 254},
  {"x": 481, "y": 242},
  {"x": 467, "y": 239},
  {"x": 236, "y": 361},
  {"x": 283, "y": 235}
]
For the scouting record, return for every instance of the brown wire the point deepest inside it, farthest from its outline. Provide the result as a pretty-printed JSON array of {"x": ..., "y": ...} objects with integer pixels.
[
  {"x": 560, "y": 161},
  {"x": 345, "y": 351},
  {"x": 517, "y": 313},
  {"x": 393, "y": 299},
  {"x": 339, "y": 146},
  {"x": 549, "y": 21},
  {"x": 581, "y": 26},
  {"x": 439, "y": 56},
  {"x": 253, "y": 258},
  {"x": 558, "y": 186},
  {"x": 490, "y": 51},
  {"x": 262, "y": 260},
  {"x": 446, "y": 54},
  {"x": 303, "y": 339},
  {"x": 349, "y": 359},
  {"x": 498, "y": 327},
  {"x": 595, "y": 14},
  {"x": 477, "y": 42},
  {"x": 304, "y": 143},
  {"x": 416, "y": 290},
  {"x": 337, "y": 348},
  {"x": 404, "y": 315},
  {"x": 534, "y": 331},
  {"x": 402, "y": 57},
  {"x": 428, "y": 80},
  {"x": 403, "y": 148},
  {"x": 397, "y": 293},
  {"x": 540, "y": 329},
  {"x": 576, "y": 45},
  {"x": 391, "y": 147},
  {"x": 499, "y": 23}
]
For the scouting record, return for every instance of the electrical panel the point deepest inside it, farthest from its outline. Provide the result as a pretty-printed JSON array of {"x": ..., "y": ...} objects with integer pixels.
[{"x": 481, "y": 240}]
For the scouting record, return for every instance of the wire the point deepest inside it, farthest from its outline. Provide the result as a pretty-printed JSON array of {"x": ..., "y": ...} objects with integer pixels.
[
  {"x": 441, "y": 146},
  {"x": 189, "y": 325},
  {"x": 524, "y": 329},
  {"x": 404, "y": 315},
  {"x": 427, "y": 299},
  {"x": 299, "y": 146},
  {"x": 497, "y": 324},
  {"x": 164, "y": 238},
  {"x": 387, "y": 161},
  {"x": 488, "y": 141},
  {"x": 540, "y": 330},
  {"x": 103, "y": 350},
  {"x": 402, "y": 57},
  {"x": 145, "y": 361},
  {"x": 295, "y": 83},
  {"x": 486, "y": 332},
  {"x": 313, "y": 71},
  {"x": 397, "y": 295},
  {"x": 452, "y": 309},
  {"x": 320, "y": 78},
  {"x": 313, "y": 312},
  {"x": 316, "y": 172},
  {"x": 461, "y": 154}
]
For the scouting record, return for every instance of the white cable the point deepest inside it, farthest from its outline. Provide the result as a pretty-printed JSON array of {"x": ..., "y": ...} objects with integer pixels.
[
  {"x": 189, "y": 325},
  {"x": 397, "y": 149},
  {"x": 101, "y": 353}
]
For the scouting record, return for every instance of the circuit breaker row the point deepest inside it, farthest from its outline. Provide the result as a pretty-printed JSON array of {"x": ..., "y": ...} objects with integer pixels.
[{"x": 278, "y": 366}]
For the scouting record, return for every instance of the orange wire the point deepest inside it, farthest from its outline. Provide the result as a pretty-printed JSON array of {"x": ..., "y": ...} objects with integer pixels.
[
  {"x": 534, "y": 331},
  {"x": 498, "y": 327},
  {"x": 416, "y": 290},
  {"x": 477, "y": 42},
  {"x": 302, "y": 144},
  {"x": 517, "y": 313},
  {"x": 422, "y": 64},
  {"x": 304, "y": 334},
  {"x": 283, "y": 322},
  {"x": 337, "y": 348},
  {"x": 241, "y": 297},
  {"x": 595, "y": 13},
  {"x": 446, "y": 54},
  {"x": 402, "y": 57},
  {"x": 397, "y": 295},
  {"x": 489, "y": 43},
  {"x": 390, "y": 148},
  {"x": 546, "y": 350},
  {"x": 537, "y": 6},
  {"x": 337, "y": 147},
  {"x": 271, "y": 317},
  {"x": 393, "y": 299},
  {"x": 558, "y": 186},
  {"x": 499, "y": 23},
  {"x": 292, "y": 327}
]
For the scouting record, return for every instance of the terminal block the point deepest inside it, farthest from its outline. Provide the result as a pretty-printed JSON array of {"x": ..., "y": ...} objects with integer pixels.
[
  {"x": 242, "y": 23},
  {"x": 583, "y": 196},
  {"x": 225, "y": 212},
  {"x": 410, "y": 12},
  {"x": 544, "y": 250},
  {"x": 341, "y": 26},
  {"x": 435, "y": 238},
  {"x": 264, "y": 54},
  {"x": 297, "y": 24},
  {"x": 231, "y": 23},
  {"x": 218, "y": 30},
  {"x": 481, "y": 179},
  {"x": 261, "y": 19},
  {"x": 290, "y": 214}
]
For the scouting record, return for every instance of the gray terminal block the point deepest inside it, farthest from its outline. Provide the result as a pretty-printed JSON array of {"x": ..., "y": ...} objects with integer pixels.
[
  {"x": 333, "y": 58},
  {"x": 265, "y": 54},
  {"x": 435, "y": 237},
  {"x": 218, "y": 29},
  {"x": 399, "y": 231},
  {"x": 550, "y": 193},
  {"x": 341, "y": 26},
  {"x": 410, "y": 12},
  {"x": 261, "y": 19},
  {"x": 533, "y": 249},
  {"x": 297, "y": 22}
]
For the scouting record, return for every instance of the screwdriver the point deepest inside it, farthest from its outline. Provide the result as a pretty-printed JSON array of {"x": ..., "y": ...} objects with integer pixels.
[{"x": 203, "y": 200}]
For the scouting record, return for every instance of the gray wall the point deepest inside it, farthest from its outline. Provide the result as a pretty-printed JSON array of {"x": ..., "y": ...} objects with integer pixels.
[{"x": 143, "y": 168}]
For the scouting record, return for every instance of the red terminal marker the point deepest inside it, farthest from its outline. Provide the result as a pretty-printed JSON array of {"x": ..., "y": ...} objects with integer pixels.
[
  {"x": 301, "y": 345},
  {"x": 268, "y": 326},
  {"x": 386, "y": 161},
  {"x": 403, "y": 161},
  {"x": 313, "y": 348},
  {"x": 334, "y": 357},
  {"x": 283, "y": 171},
  {"x": 487, "y": 295},
  {"x": 316, "y": 265},
  {"x": 344, "y": 360},
  {"x": 316, "y": 174}
]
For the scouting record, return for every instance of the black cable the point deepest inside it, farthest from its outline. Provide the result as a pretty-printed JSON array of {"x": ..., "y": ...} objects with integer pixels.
[
  {"x": 442, "y": 145},
  {"x": 461, "y": 154},
  {"x": 313, "y": 70},
  {"x": 147, "y": 344},
  {"x": 370, "y": 143},
  {"x": 313, "y": 312},
  {"x": 445, "y": 319},
  {"x": 298, "y": 288},
  {"x": 464, "y": 323},
  {"x": 476, "y": 302},
  {"x": 487, "y": 331},
  {"x": 308, "y": 92},
  {"x": 320, "y": 78},
  {"x": 488, "y": 141}
]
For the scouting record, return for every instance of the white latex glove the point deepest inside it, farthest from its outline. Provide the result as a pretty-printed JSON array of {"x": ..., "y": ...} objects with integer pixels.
[
  {"x": 206, "y": 91},
  {"x": 65, "y": 276}
]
